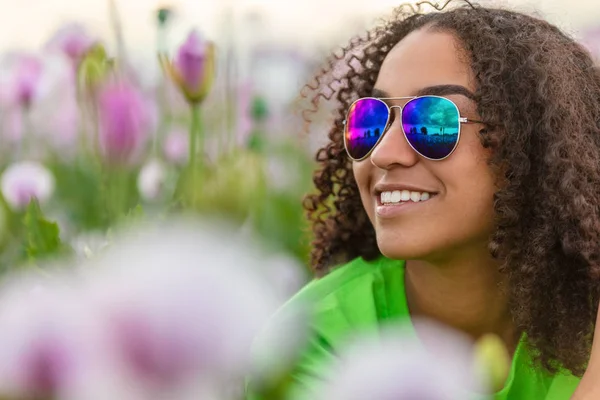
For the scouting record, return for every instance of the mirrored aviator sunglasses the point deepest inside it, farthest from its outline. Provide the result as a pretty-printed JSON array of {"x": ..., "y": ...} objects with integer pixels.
[{"x": 431, "y": 125}]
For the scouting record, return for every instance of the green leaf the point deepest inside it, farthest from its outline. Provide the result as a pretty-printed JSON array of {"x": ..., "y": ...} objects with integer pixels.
[{"x": 42, "y": 237}]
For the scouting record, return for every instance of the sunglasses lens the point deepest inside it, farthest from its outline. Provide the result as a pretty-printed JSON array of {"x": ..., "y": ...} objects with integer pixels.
[
  {"x": 431, "y": 125},
  {"x": 365, "y": 124}
]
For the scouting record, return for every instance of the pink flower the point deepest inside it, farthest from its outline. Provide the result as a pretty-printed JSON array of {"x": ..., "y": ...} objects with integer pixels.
[
  {"x": 175, "y": 324},
  {"x": 176, "y": 147},
  {"x": 72, "y": 40},
  {"x": 193, "y": 68},
  {"x": 24, "y": 181},
  {"x": 125, "y": 118},
  {"x": 50, "y": 347},
  {"x": 20, "y": 78}
]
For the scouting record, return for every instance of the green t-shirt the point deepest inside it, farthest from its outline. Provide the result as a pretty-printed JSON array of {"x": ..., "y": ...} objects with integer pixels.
[{"x": 362, "y": 296}]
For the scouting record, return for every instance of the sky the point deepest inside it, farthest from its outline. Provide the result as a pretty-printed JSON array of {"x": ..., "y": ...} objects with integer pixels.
[
  {"x": 306, "y": 25},
  {"x": 27, "y": 23}
]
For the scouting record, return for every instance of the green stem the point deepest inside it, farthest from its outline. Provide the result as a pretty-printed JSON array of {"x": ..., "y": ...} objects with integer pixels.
[
  {"x": 117, "y": 188},
  {"x": 196, "y": 146}
]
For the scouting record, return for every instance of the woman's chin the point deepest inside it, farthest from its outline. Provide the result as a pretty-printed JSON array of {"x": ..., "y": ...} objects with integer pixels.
[{"x": 394, "y": 251}]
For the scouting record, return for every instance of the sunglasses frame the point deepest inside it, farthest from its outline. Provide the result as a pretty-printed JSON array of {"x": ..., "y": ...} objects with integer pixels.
[{"x": 461, "y": 120}]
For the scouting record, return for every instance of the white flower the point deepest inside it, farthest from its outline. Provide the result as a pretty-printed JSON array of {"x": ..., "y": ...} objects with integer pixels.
[
  {"x": 397, "y": 366},
  {"x": 25, "y": 180},
  {"x": 176, "y": 147},
  {"x": 151, "y": 180}
]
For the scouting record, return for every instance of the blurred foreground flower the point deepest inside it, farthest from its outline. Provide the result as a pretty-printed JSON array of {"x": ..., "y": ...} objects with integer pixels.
[
  {"x": 133, "y": 324},
  {"x": 73, "y": 40},
  {"x": 48, "y": 341},
  {"x": 397, "y": 366},
  {"x": 23, "y": 181},
  {"x": 125, "y": 118},
  {"x": 193, "y": 68}
]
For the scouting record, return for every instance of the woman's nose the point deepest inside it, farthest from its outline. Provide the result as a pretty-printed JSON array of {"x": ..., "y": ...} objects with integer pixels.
[{"x": 393, "y": 149}]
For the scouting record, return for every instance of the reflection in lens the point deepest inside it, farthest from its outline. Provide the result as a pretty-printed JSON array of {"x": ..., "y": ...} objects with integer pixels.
[
  {"x": 365, "y": 124},
  {"x": 431, "y": 125}
]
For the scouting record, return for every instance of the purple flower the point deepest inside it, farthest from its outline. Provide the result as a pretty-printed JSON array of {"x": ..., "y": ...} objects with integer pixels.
[
  {"x": 173, "y": 323},
  {"x": 49, "y": 348},
  {"x": 72, "y": 40},
  {"x": 24, "y": 181},
  {"x": 125, "y": 118},
  {"x": 176, "y": 147},
  {"x": 193, "y": 68},
  {"x": 20, "y": 78}
]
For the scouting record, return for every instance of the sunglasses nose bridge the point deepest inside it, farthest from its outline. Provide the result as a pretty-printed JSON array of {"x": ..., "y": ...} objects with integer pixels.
[{"x": 391, "y": 108}]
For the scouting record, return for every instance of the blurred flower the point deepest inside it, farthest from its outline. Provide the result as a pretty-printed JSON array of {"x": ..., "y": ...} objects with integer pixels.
[
  {"x": 216, "y": 184},
  {"x": 132, "y": 324},
  {"x": 397, "y": 366},
  {"x": 151, "y": 180},
  {"x": 42, "y": 107},
  {"x": 20, "y": 76},
  {"x": 25, "y": 180},
  {"x": 94, "y": 68},
  {"x": 190, "y": 321},
  {"x": 73, "y": 40},
  {"x": 193, "y": 68},
  {"x": 50, "y": 347},
  {"x": 176, "y": 146},
  {"x": 125, "y": 118}
]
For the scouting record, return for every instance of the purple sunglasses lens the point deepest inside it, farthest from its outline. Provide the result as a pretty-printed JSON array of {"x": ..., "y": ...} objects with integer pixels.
[
  {"x": 431, "y": 126},
  {"x": 365, "y": 123}
]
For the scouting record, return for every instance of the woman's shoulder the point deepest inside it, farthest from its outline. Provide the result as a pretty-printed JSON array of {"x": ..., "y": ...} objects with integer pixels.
[
  {"x": 345, "y": 279},
  {"x": 353, "y": 296}
]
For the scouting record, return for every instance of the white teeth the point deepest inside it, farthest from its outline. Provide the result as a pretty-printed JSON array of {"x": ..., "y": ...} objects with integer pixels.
[
  {"x": 399, "y": 196},
  {"x": 386, "y": 197},
  {"x": 415, "y": 196},
  {"x": 405, "y": 195}
]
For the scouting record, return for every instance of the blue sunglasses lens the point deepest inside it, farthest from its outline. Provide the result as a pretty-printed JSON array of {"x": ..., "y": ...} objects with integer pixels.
[{"x": 431, "y": 125}]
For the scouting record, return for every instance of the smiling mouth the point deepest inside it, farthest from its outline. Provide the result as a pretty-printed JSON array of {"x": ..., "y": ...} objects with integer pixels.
[{"x": 403, "y": 196}]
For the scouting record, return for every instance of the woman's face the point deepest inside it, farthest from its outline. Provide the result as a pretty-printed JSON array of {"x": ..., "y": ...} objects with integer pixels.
[{"x": 458, "y": 217}]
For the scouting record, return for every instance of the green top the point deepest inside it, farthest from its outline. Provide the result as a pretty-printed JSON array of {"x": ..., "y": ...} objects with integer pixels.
[{"x": 362, "y": 296}]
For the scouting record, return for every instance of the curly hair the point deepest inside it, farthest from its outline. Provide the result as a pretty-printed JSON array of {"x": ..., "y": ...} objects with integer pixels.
[{"x": 539, "y": 92}]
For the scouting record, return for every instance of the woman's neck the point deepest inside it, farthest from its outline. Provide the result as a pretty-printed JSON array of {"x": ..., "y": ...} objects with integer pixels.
[{"x": 466, "y": 295}]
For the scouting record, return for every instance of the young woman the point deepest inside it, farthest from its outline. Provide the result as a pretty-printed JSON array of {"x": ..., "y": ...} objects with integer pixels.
[{"x": 461, "y": 183}]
